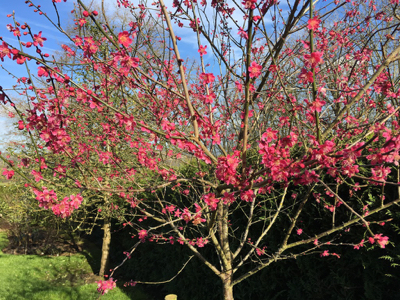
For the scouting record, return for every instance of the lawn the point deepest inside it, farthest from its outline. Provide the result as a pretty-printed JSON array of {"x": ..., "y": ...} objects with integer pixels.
[{"x": 53, "y": 277}]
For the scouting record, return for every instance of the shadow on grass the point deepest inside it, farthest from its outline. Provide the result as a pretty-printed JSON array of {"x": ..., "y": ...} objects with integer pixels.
[
  {"x": 92, "y": 253},
  {"x": 3, "y": 240}
]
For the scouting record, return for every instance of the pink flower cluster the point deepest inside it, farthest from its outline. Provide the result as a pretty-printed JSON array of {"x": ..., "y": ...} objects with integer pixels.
[
  {"x": 67, "y": 206},
  {"x": 211, "y": 201},
  {"x": 379, "y": 239},
  {"x": 142, "y": 235},
  {"x": 46, "y": 198},
  {"x": 254, "y": 70},
  {"x": 207, "y": 78},
  {"x": 249, "y": 4},
  {"x": 359, "y": 245},
  {"x": 124, "y": 38},
  {"x": 314, "y": 59},
  {"x": 313, "y": 23},
  {"x": 197, "y": 219},
  {"x": 247, "y": 196},
  {"x": 226, "y": 169},
  {"x": 276, "y": 157},
  {"x": 8, "y": 173},
  {"x": 103, "y": 286}
]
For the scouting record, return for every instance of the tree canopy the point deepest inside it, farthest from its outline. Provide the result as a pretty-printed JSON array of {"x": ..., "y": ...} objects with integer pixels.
[{"x": 262, "y": 145}]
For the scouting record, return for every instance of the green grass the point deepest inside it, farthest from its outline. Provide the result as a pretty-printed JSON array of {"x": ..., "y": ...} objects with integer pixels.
[{"x": 52, "y": 278}]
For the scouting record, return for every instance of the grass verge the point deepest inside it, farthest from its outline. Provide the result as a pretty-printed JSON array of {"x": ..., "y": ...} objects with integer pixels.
[{"x": 53, "y": 278}]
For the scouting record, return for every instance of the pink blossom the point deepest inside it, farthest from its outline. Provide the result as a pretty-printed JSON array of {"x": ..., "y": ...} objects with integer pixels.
[
  {"x": 38, "y": 39},
  {"x": 211, "y": 201},
  {"x": 42, "y": 72},
  {"x": 124, "y": 39},
  {"x": 358, "y": 246},
  {"x": 350, "y": 170},
  {"x": 16, "y": 31},
  {"x": 75, "y": 201},
  {"x": 299, "y": 231},
  {"x": 313, "y": 23},
  {"x": 325, "y": 253},
  {"x": 380, "y": 173},
  {"x": 226, "y": 169},
  {"x": 270, "y": 135},
  {"x": 194, "y": 25},
  {"x": 207, "y": 77},
  {"x": 8, "y": 173},
  {"x": 243, "y": 34},
  {"x": 208, "y": 99},
  {"x": 273, "y": 68},
  {"x": 37, "y": 175},
  {"x": 381, "y": 240},
  {"x": 61, "y": 209},
  {"x": 249, "y": 4},
  {"x": 198, "y": 219},
  {"x": 239, "y": 86},
  {"x": 21, "y": 125},
  {"x": 306, "y": 76},
  {"x": 201, "y": 242},
  {"x": 46, "y": 198},
  {"x": 18, "y": 56},
  {"x": 142, "y": 235},
  {"x": 4, "y": 51},
  {"x": 254, "y": 70},
  {"x": 314, "y": 59},
  {"x": 202, "y": 50},
  {"x": 317, "y": 105},
  {"x": 186, "y": 215},
  {"x": 81, "y": 22},
  {"x": 103, "y": 286},
  {"x": 67, "y": 206},
  {"x": 229, "y": 198},
  {"x": 261, "y": 251},
  {"x": 247, "y": 196}
]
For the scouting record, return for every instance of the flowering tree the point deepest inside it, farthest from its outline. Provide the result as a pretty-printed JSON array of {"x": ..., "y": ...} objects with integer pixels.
[{"x": 267, "y": 140}]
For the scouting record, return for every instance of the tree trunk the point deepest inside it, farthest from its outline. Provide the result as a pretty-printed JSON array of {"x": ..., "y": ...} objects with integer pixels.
[
  {"x": 105, "y": 250},
  {"x": 227, "y": 286}
]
